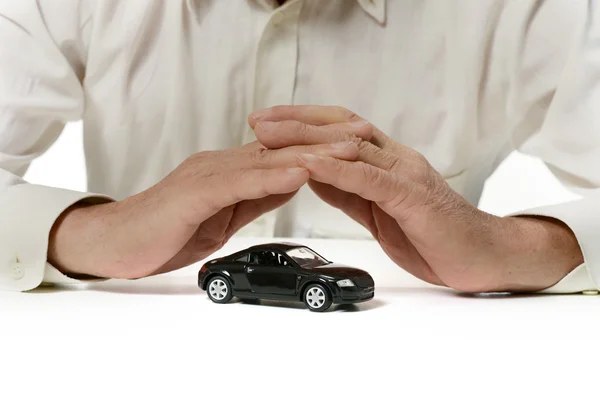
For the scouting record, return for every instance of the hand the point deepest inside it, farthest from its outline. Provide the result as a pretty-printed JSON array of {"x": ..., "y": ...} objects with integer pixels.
[
  {"x": 419, "y": 221},
  {"x": 185, "y": 217}
]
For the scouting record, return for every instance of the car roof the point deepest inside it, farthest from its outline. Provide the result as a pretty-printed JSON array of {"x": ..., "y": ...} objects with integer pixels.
[{"x": 278, "y": 246}]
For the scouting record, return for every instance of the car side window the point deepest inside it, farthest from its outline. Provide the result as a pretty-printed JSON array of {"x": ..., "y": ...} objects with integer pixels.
[
  {"x": 267, "y": 258},
  {"x": 243, "y": 259},
  {"x": 281, "y": 260},
  {"x": 270, "y": 258},
  {"x": 256, "y": 258}
]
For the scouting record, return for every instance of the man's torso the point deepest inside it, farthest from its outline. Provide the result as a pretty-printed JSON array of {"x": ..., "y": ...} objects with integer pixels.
[{"x": 165, "y": 79}]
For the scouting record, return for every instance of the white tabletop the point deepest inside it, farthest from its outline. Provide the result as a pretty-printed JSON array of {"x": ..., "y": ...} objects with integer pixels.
[{"x": 162, "y": 337}]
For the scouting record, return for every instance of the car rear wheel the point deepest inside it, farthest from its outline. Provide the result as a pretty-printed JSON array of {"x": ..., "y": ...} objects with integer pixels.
[
  {"x": 219, "y": 290},
  {"x": 317, "y": 298}
]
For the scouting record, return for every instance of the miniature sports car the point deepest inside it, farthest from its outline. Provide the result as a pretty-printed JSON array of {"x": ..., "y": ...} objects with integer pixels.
[{"x": 284, "y": 271}]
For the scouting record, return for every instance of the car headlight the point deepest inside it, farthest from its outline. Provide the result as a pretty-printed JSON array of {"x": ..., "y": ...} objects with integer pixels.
[{"x": 345, "y": 283}]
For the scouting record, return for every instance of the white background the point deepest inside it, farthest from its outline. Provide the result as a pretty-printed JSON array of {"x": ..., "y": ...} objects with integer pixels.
[{"x": 161, "y": 337}]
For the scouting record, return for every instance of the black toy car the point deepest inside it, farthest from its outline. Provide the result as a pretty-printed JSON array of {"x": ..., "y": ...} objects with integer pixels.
[{"x": 284, "y": 271}]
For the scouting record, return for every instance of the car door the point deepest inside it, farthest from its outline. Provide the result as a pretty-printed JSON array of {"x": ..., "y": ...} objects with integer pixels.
[{"x": 269, "y": 272}]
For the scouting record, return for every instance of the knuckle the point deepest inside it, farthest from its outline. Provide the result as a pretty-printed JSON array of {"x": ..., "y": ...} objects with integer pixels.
[
  {"x": 260, "y": 157},
  {"x": 393, "y": 162},
  {"x": 369, "y": 150},
  {"x": 426, "y": 176},
  {"x": 366, "y": 147},
  {"x": 294, "y": 126},
  {"x": 277, "y": 109},
  {"x": 366, "y": 131},
  {"x": 389, "y": 160},
  {"x": 422, "y": 177},
  {"x": 300, "y": 129},
  {"x": 340, "y": 135},
  {"x": 377, "y": 176},
  {"x": 420, "y": 158},
  {"x": 348, "y": 115}
]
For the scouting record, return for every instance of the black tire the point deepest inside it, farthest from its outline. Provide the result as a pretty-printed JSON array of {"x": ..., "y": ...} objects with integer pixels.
[
  {"x": 219, "y": 290},
  {"x": 317, "y": 298}
]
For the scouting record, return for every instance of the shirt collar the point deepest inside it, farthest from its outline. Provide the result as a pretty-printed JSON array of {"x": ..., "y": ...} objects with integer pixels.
[{"x": 375, "y": 8}]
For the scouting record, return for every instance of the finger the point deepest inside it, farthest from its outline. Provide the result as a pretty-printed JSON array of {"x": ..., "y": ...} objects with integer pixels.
[
  {"x": 401, "y": 158},
  {"x": 365, "y": 180},
  {"x": 262, "y": 158},
  {"x": 286, "y": 157},
  {"x": 223, "y": 190},
  {"x": 309, "y": 114},
  {"x": 317, "y": 115},
  {"x": 290, "y": 132}
]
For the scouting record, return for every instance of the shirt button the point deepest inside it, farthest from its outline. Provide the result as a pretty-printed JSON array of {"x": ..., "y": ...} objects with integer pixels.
[
  {"x": 277, "y": 18},
  {"x": 590, "y": 292},
  {"x": 17, "y": 271}
]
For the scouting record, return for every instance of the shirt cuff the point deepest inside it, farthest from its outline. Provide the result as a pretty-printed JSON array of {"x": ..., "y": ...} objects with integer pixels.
[
  {"x": 583, "y": 218},
  {"x": 577, "y": 281},
  {"x": 27, "y": 214}
]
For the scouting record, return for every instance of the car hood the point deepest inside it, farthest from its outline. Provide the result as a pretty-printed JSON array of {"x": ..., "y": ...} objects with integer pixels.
[{"x": 336, "y": 270}]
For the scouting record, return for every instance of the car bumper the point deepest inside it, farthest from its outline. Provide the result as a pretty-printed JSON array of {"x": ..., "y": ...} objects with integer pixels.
[
  {"x": 354, "y": 295},
  {"x": 201, "y": 280}
]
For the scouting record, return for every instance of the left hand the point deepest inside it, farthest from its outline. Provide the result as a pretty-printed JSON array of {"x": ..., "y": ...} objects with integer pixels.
[{"x": 420, "y": 222}]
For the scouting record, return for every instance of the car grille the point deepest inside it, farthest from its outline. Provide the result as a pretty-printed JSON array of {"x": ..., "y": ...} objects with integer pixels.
[{"x": 364, "y": 281}]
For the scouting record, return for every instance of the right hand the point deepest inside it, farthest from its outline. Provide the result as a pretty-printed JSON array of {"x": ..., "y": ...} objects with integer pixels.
[{"x": 185, "y": 217}]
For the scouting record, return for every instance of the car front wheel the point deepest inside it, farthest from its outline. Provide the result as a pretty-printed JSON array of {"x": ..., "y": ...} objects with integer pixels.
[
  {"x": 219, "y": 290},
  {"x": 317, "y": 298}
]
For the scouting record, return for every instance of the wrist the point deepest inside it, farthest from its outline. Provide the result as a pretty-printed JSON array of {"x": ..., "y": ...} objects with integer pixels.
[
  {"x": 75, "y": 235},
  {"x": 536, "y": 253}
]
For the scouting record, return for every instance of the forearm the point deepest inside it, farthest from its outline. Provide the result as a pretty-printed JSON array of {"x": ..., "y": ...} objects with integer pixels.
[{"x": 113, "y": 240}]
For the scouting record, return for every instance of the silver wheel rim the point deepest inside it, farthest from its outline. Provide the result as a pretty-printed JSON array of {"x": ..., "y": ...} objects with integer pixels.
[
  {"x": 217, "y": 289},
  {"x": 315, "y": 297}
]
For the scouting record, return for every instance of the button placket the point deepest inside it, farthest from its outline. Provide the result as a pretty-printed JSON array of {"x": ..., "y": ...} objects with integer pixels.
[
  {"x": 277, "y": 18},
  {"x": 276, "y": 59},
  {"x": 275, "y": 73}
]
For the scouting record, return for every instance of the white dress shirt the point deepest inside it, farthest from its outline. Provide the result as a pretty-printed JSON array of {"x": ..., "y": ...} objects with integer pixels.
[{"x": 154, "y": 81}]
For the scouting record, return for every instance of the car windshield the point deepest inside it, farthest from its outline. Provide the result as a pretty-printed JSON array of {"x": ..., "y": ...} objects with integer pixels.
[{"x": 306, "y": 258}]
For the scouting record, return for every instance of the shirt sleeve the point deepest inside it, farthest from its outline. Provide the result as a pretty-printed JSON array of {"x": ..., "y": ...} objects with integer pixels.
[
  {"x": 42, "y": 58},
  {"x": 554, "y": 113}
]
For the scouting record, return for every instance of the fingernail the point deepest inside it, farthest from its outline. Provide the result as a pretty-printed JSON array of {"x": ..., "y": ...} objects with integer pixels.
[
  {"x": 359, "y": 123},
  {"x": 295, "y": 171},
  {"x": 342, "y": 145},
  {"x": 259, "y": 114},
  {"x": 308, "y": 158},
  {"x": 267, "y": 126}
]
